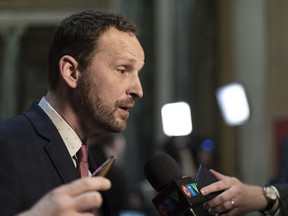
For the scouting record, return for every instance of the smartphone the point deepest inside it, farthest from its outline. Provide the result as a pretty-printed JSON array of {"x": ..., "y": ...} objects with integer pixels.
[
  {"x": 203, "y": 178},
  {"x": 105, "y": 167}
]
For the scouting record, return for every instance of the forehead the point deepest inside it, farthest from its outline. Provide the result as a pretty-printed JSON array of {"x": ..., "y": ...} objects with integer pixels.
[{"x": 120, "y": 43}]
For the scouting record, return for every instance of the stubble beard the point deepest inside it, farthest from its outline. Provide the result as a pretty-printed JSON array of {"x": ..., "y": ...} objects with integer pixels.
[{"x": 97, "y": 112}]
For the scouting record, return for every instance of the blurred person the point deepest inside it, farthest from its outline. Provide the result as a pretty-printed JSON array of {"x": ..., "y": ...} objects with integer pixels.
[
  {"x": 282, "y": 175},
  {"x": 136, "y": 201},
  {"x": 179, "y": 149},
  {"x": 240, "y": 198},
  {"x": 113, "y": 144},
  {"x": 93, "y": 81}
]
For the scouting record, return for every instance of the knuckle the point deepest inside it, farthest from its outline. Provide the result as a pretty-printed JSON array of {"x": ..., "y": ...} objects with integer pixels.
[
  {"x": 53, "y": 198},
  {"x": 54, "y": 193},
  {"x": 86, "y": 183},
  {"x": 221, "y": 198},
  {"x": 98, "y": 199},
  {"x": 227, "y": 205},
  {"x": 234, "y": 180},
  {"x": 56, "y": 203},
  {"x": 218, "y": 187},
  {"x": 238, "y": 192}
]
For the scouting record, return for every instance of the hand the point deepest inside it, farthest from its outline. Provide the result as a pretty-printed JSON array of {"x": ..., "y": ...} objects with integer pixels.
[
  {"x": 237, "y": 199},
  {"x": 77, "y": 198}
]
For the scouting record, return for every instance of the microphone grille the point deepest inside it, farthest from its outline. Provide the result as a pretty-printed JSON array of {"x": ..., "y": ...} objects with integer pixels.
[{"x": 160, "y": 170}]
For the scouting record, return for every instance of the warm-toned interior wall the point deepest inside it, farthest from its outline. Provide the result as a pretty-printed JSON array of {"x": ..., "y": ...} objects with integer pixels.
[
  {"x": 227, "y": 150},
  {"x": 277, "y": 77}
]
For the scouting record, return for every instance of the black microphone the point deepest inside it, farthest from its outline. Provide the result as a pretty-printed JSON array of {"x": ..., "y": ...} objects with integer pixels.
[{"x": 177, "y": 195}]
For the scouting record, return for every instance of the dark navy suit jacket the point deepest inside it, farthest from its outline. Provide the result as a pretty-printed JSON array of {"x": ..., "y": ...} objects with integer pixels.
[
  {"x": 283, "y": 191},
  {"x": 33, "y": 161}
]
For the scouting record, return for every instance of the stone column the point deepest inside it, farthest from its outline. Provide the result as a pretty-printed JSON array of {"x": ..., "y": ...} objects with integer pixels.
[
  {"x": 249, "y": 36},
  {"x": 9, "y": 71},
  {"x": 164, "y": 46}
]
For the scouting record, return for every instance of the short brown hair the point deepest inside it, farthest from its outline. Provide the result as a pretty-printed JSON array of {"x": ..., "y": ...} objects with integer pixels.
[{"x": 77, "y": 36}]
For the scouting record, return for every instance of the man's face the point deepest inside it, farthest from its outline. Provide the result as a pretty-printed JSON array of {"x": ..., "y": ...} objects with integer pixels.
[{"x": 110, "y": 85}]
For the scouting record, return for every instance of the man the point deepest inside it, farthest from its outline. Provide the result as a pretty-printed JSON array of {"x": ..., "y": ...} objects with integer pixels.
[
  {"x": 240, "y": 199},
  {"x": 93, "y": 81}
]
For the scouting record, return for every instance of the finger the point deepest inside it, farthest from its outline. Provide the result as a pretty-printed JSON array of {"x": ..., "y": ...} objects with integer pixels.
[
  {"x": 86, "y": 214},
  {"x": 214, "y": 187},
  {"x": 218, "y": 200},
  {"x": 223, "y": 184},
  {"x": 220, "y": 209},
  {"x": 218, "y": 175},
  {"x": 232, "y": 212},
  {"x": 88, "y": 201},
  {"x": 84, "y": 185}
]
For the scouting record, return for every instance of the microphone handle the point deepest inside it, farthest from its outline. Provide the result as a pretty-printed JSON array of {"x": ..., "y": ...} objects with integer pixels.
[{"x": 190, "y": 212}]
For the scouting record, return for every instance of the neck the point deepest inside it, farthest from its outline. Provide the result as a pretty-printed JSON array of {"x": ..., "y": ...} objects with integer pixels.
[{"x": 63, "y": 107}]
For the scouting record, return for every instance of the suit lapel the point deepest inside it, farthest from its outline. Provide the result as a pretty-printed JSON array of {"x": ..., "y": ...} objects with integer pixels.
[
  {"x": 61, "y": 159},
  {"x": 55, "y": 147},
  {"x": 57, "y": 150}
]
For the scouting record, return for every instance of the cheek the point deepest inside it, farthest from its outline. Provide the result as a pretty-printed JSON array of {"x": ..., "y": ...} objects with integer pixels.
[
  {"x": 108, "y": 86},
  {"x": 106, "y": 93},
  {"x": 113, "y": 90}
]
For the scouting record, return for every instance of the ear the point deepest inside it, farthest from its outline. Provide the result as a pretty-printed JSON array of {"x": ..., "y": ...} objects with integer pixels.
[{"x": 68, "y": 70}]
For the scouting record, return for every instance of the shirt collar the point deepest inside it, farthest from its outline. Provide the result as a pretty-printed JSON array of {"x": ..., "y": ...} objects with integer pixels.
[{"x": 69, "y": 136}]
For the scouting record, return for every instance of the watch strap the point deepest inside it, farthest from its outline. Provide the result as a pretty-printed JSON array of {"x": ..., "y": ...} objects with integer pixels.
[{"x": 270, "y": 202}]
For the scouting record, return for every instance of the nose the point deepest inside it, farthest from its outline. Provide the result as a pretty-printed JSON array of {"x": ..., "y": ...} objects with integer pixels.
[{"x": 136, "y": 90}]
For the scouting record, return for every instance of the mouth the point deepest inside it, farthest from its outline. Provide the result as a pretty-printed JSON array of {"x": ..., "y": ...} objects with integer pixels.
[
  {"x": 124, "y": 110},
  {"x": 125, "y": 106}
]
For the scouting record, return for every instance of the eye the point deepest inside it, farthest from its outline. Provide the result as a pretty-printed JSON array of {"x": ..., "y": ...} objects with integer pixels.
[{"x": 122, "y": 70}]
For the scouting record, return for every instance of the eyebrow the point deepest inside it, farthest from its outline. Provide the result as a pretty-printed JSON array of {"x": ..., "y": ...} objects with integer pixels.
[
  {"x": 131, "y": 60},
  {"x": 127, "y": 59}
]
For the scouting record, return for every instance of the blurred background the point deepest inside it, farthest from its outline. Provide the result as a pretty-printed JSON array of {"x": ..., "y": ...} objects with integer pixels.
[{"x": 192, "y": 48}]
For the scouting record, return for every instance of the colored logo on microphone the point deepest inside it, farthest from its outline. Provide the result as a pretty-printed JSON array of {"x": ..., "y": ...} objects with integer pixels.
[
  {"x": 186, "y": 190},
  {"x": 168, "y": 204},
  {"x": 190, "y": 190},
  {"x": 162, "y": 209}
]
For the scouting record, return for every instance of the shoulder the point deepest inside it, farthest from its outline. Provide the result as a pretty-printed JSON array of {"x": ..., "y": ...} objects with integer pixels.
[
  {"x": 10, "y": 125},
  {"x": 25, "y": 126}
]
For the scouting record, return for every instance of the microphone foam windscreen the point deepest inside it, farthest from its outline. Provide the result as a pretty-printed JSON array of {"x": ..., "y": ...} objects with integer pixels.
[{"x": 160, "y": 170}]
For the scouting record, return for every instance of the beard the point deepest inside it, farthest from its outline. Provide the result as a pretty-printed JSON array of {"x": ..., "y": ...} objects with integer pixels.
[{"x": 96, "y": 111}]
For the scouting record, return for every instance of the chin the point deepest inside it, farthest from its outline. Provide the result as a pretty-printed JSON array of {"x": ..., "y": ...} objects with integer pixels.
[
  {"x": 120, "y": 124},
  {"x": 116, "y": 128},
  {"x": 121, "y": 128}
]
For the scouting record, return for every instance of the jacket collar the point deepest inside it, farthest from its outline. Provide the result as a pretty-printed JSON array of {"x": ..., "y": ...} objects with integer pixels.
[{"x": 55, "y": 146}]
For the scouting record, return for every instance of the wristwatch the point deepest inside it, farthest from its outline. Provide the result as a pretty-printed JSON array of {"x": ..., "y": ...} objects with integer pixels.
[{"x": 271, "y": 196}]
